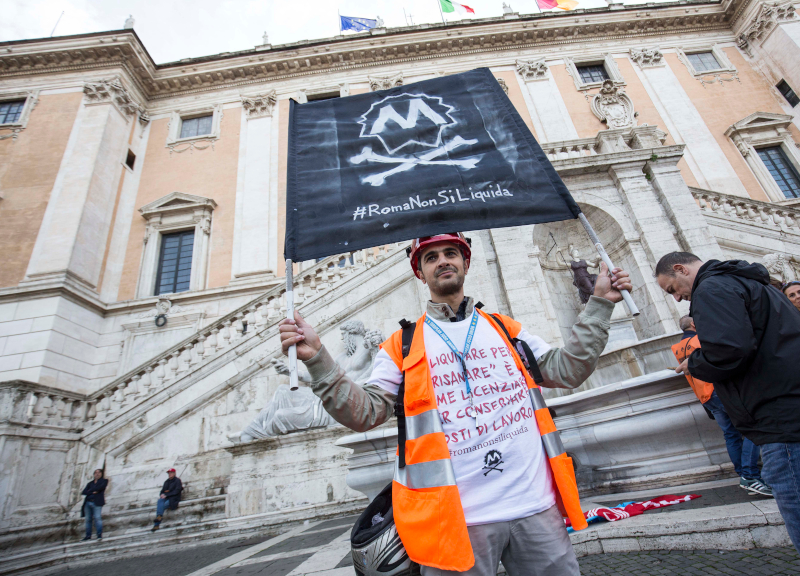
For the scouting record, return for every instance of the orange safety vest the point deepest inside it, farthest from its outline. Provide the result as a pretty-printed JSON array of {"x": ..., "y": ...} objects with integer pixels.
[
  {"x": 682, "y": 351},
  {"x": 426, "y": 504}
]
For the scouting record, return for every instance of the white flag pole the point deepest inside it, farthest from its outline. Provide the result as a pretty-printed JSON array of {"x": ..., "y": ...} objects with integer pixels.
[
  {"x": 626, "y": 296},
  {"x": 290, "y": 315}
]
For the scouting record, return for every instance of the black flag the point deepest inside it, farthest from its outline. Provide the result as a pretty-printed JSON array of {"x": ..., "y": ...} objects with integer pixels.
[{"x": 442, "y": 155}]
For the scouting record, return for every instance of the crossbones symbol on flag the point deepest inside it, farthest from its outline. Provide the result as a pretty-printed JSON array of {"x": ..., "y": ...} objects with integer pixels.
[{"x": 420, "y": 128}]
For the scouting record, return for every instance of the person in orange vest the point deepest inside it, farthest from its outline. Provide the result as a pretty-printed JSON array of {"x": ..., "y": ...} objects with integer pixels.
[
  {"x": 481, "y": 474},
  {"x": 742, "y": 452}
]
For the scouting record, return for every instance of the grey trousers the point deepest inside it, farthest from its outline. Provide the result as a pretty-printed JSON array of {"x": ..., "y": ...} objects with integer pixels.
[{"x": 534, "y": 546}]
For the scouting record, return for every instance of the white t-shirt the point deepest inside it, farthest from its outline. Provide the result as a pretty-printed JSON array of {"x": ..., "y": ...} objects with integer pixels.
[{"x": 499, "y": 461}]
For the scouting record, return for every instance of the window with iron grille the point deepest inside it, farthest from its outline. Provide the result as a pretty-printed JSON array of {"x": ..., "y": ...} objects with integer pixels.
[
  {"x": 788, "y": 93},
  {"x": 781, "y": 170},
  {"x": 592, "y": 73},
  {"x": 703, "y": 61},
  {"x": 11, "y": 111},
  {"x": 175, "y": 262},
  {"x": 199, "y": 126}
]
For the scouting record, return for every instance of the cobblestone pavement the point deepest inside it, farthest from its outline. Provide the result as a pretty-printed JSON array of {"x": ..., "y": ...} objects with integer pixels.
[{"x": 762, "y": 561}]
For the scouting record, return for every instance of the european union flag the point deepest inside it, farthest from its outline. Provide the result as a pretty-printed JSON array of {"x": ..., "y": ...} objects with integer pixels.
[{"x": 357, "y": 24}]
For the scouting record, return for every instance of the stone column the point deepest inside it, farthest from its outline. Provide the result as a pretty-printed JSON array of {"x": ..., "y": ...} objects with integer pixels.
[
  {"x": 548, "y": 111},
  {"x": 72, "y": 238},
  {"x": 686, "y": 126},
  {"x": 681, "y": 208},
  {"x": 252, "y": 231},
  {"x": 655, "y": 239},
  {"x": 525, "y": 287}
]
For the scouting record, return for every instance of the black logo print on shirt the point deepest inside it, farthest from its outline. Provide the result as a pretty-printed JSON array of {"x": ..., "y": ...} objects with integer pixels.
[{"x": 492, "y": 460}]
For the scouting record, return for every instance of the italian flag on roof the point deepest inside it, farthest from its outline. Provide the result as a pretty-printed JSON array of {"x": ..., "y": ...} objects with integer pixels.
[{"x": 450, "y": 6}]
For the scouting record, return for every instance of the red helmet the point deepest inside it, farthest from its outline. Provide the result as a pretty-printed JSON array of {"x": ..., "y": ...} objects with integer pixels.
[{"x": 419, "y": 243}]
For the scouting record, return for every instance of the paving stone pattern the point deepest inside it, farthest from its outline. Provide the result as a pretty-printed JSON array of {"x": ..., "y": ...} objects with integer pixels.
[
  {"x": 762, "y": 561},
  {"x": 323, "y": 550},
  {"x": 168, "y": 560}
]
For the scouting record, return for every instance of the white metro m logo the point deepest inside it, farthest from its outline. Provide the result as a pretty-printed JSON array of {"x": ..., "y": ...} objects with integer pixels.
[
  {"x": 414, "y": 123},
  {"x": 416, "y": 107}
]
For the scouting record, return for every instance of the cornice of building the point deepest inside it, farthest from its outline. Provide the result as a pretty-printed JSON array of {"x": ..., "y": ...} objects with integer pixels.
[{"x": 122, "y": 49}]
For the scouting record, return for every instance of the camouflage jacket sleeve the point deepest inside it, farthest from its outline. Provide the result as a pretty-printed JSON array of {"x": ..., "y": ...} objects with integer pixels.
[
  {"x": 359, "y": 408},
  {"x": 571, "y": 365}
]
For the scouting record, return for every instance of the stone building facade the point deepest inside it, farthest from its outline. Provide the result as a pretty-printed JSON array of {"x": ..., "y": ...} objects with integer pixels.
[{"x": 142, "y": 212}]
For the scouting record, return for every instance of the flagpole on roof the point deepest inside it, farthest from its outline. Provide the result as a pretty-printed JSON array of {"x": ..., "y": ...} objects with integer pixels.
[
  {"x": 340, "y": 21},
  {"x": 439, "y": 3}
]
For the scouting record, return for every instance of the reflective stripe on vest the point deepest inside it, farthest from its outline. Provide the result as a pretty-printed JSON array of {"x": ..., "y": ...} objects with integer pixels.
[
  {"x": 424, "y": 423},
  {"x": 427, "y": 506},
  {"x": 431, "y": 474}
]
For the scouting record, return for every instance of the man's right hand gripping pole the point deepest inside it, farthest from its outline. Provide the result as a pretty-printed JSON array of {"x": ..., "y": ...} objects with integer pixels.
[{"x": 301, "y": 333}]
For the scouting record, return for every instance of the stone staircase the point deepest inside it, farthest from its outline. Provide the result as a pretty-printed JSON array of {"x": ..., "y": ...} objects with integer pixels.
[{"x": 25, "y": 403}]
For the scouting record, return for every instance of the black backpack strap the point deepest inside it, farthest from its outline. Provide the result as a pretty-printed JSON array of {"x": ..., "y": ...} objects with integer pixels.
[
  {"x": 399, "y": 403},
  {"x": 529, "y": 358}
]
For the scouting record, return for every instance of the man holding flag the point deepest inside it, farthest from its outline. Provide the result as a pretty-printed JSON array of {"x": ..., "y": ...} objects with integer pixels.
[{"x": 482, "y": 474}]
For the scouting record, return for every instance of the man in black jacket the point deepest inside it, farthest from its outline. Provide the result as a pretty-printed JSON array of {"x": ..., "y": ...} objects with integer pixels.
[
  {"x": 170, "y": 497},
  {"x": 93, "y": 504},
  {"x": 750, "y": 337}
]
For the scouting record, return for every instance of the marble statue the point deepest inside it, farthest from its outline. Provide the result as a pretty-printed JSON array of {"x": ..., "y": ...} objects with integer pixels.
[
  {"x": 379, "y": 22},
  {"x": 582, "y": 279},
  {"x": 265, "y": 39},
  {"x": 294, "y": 411},
  {"x": 507, "y": 9},
  {"x": 129, "y": 22},
  {"x": 779, "y": 268}
]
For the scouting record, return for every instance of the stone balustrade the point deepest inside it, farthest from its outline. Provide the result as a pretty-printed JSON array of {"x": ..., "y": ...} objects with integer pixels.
[
  {"x": 606, "y": 142},
  {"x": 570, "y": 149},
  {"x": 220, "y": 336},
  {"x": 775, "y": 216},
  {"x": 26, "y": 403}
]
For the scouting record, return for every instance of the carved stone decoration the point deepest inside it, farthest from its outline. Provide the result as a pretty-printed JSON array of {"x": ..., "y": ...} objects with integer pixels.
[
  {"x": 765, "y": 21},
  {"x": 260, "y": 105},
  {"x": 648, "y": 57},
  {"x": 385, "y": 82},
  {"x": 294, "y": 411},
  {"x": 503, "y": 84},
  {"x": 144, "y": 118},
  {"x": 780, "y": 271},
  {"x": 113, "y": 92},
  {"x": 612, "y": 106},
  {"x": 532, "y": 69},
  {"x": 163, "y": 306}
]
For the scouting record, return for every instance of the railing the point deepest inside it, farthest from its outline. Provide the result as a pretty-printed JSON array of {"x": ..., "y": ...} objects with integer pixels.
[
  {"x": 606, "y": 142},
  {"x": 26, "y": 403},
  {"x": 783, "y": 218},
  {"x": 571, "y": 149},
  {"x": 225, "y": 333}
]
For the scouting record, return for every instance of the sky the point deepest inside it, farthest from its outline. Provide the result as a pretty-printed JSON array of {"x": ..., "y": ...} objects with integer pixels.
[{"x": 176, "y": 29}]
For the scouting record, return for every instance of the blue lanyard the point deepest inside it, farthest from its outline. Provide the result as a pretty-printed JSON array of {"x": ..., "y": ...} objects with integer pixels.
[{"x": 460, "y": 355}]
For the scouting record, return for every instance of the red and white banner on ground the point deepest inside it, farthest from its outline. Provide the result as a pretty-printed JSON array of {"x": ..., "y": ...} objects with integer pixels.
[{"x": 628, "y": 509}]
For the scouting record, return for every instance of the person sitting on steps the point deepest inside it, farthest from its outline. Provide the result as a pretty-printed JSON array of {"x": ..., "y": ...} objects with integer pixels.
[{"x": 170, "y": 497}]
